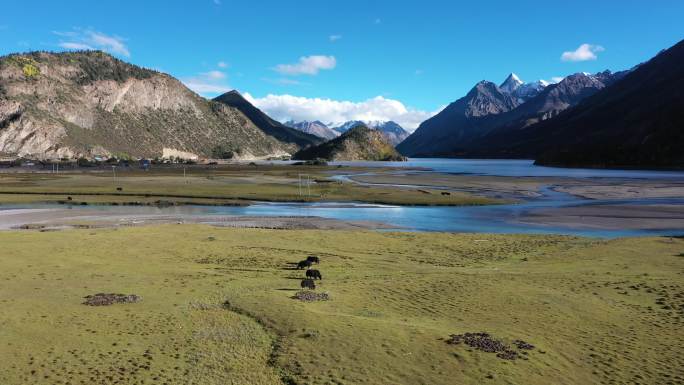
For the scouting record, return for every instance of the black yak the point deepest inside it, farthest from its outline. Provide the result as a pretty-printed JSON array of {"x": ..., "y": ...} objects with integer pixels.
[
  {"x": 303, "y": 265},
  {"x": 313, "y": 274},
  {"x": 313, "y": 259},
  {"x": 308, "y": 284}
]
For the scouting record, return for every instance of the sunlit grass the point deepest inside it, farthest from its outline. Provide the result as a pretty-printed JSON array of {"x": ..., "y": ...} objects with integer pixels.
[{"x": 217, "y": 307}]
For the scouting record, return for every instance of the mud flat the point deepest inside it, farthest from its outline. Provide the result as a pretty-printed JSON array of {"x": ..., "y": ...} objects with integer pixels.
[
  {"x": 529, "y": 187},
  {"x": 625, "y": 190},
  {"x": 56, "y": 219},
  {"x": 611, "y": 217},
  {"x": 489, "y": 186}
]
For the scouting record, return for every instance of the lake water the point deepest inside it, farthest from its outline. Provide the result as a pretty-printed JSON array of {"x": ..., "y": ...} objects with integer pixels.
[
  {"x": 489, "y": 219},
  {"x": 515, "y": 167}
]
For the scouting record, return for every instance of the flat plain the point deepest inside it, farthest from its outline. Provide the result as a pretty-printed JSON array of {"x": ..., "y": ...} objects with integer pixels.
[
  {"x": 217, "y": 307},
  {"x": 236, "y": 184}
]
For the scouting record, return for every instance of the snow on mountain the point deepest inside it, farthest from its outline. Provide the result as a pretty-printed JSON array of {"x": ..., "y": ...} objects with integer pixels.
[
  {"x": 511, "y": 83},
  {"x": 520, "y": 90},
  {"x": 393, "y": 131},
  {"x": 529, "y": 90},
  {"x": 316, "y": 127}
]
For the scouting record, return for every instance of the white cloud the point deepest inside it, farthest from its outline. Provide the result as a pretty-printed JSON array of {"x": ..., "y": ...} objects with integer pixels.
[
  {"x": 222, "y": 64},
  {"x": 214, "y": 75},
  {"x": 80, "y": 39},
  {"x": 308, "y": 65},
  {"x": 77, "y": 46},
  {"x": 284, "y": 81},
  {"x": 286, "y": 107},
  {"x": 208, "y": 83},
  {"x": 334, "y": 38},
  {"x": 583, "y": 53}
]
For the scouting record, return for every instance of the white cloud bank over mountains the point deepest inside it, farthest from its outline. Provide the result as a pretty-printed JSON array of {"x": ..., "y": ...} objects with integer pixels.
[
  {"x": 288, "y": 107},
  {"x": 583, "y": 53}
]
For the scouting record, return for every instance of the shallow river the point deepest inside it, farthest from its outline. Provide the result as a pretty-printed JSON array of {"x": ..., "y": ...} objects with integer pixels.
[{"x": 491, "y": 219}]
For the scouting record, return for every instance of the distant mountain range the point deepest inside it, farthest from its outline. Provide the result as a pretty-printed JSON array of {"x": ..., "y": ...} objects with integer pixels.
[
  {"x": 466, "y": 126},
  {"x": 638, "y": 121},
  {"x": 88, "y": 104},
  {"x": 316, "y": 128},
  {"x": 394, "y": 132},
  {"x": 631, "y": 118},
  {"x": 357, "y": 143},
  {"x": 74, "y": 104}
]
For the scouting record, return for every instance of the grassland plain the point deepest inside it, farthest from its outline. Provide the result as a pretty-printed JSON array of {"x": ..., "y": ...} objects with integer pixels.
[
  {"x": 215, "y": 185},
  {"x": 217, "y": 307}
]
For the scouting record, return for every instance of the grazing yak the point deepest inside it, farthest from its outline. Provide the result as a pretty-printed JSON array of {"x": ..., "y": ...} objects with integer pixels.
[
  {"x": 308, "y": 283},
  {"x": 303, "y": 265},
  {"x": 313, "y": 274},
  {"x": 313, "y": 259}
]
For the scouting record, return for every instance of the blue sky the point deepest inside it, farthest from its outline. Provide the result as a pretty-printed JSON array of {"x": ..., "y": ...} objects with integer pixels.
[{"x": 368, "y": 59}]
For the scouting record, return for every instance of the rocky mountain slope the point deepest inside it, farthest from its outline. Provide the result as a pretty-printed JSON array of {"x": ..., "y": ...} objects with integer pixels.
[
  {"x": 264, "y": 122},
  {"x": 394, "y": 133},
  {"x": 467, "y": 126},
  {"x": 89, "y": 103},
  {"x": 316, "y": 128},
  {"x": 636, "y": 122},
  {"x": 358, "y": 143},
  {"x": 457, "y": 124}
]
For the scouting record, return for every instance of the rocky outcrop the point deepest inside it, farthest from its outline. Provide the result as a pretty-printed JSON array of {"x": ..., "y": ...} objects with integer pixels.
[{"x": 89, "y": 103}]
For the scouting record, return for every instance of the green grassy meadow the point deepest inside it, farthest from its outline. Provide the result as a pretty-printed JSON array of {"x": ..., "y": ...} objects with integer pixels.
[{"x": 217, "y": 307}]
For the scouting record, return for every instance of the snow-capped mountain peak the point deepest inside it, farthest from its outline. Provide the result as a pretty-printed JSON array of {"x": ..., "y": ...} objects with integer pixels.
[
  {"x": 520, "y": 90},
  {"x": 511, "y": 83}
]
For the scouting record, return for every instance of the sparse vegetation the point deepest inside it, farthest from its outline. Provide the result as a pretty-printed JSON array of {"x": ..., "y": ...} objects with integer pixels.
[
  {"x": 28, "y": 64},
  {"x": 30, "y": 70},
  {"x": 225, "y": 152},
  {"x": 232, "y": 182}
]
